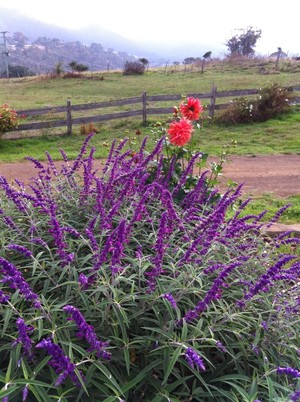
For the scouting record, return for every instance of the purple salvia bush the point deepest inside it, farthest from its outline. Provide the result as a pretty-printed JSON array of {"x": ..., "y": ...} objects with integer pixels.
[{"x": 125, "y": 230}]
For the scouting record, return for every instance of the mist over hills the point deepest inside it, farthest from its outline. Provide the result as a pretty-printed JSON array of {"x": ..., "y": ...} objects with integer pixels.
[{"x": 123, "y": 49}]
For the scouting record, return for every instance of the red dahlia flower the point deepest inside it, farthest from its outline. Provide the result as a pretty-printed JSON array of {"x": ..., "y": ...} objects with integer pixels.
[
  {"x": 180, "y": 132},
  {"x": 191, "y": 109}
]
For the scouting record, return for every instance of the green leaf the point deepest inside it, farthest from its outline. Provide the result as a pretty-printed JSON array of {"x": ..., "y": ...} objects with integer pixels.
[
  {"x": 39, "y": 367},
  {"x": 39, "y": 393},
  {"x": 171, "y": 364},
  {"x": 141, "y": 376},
  {"x": 109, "y": 376},
  {"x": 7, "y": 391},
  {"x": 8, "y": 371},
  {"x": 7, "y": 317},
  {"x": 32, "y": 382}
]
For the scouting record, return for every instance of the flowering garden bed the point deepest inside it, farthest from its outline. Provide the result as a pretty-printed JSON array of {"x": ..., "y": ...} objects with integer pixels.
[{"x": 133, "y": 285}]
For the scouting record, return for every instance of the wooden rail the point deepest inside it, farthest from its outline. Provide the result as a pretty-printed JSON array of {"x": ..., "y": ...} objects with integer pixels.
[{"x": 144, "y": 101}]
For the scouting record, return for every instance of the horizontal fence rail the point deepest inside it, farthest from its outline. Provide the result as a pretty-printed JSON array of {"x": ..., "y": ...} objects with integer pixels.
[{"x": 144, "y": 100}]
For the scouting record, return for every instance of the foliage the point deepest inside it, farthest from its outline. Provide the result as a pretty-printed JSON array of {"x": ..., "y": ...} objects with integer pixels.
[
  {"x": 42, "y": 52},
  {"x": 271, "y": 101},
  {"x": 88, "y": 128},
  {"x": 58, "y": 69},
  {"x": 207, "y": 55},
  {"x": 112, "y": 288},
  {"x": 244, "y": 43},
  {"x": 78, "y": 67},
  {"x": 18, "y": 72},
  {"x": 134, "y": 67},
  {"x": 144, "y": 61},
  {"x": 8, "y": 119}
]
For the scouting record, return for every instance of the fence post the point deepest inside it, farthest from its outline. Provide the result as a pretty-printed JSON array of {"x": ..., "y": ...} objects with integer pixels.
[
  {"x": 212, "y": 101},
  {"x": 69, "y": 118},
  {"x": 144, "y": 106}
]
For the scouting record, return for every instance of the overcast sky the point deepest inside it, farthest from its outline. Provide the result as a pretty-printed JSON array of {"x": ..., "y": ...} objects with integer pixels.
[{"x": 174, "y": 21}]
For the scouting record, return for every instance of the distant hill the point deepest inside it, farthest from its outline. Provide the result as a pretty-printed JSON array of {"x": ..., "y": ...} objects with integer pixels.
[
  {"x": 115, "y": 48},
  {"x": 40, "y": 47},
  {"x": 157, "y": 53}
]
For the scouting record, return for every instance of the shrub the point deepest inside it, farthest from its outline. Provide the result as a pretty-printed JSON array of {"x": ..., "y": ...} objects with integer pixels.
[
  {"x": 113, "y": 289},
  {"x": 270, "y": 102},
  {"x": 17, "y": 72},
  {"x": 8, "y": 119},
  {"x": 134, "y": 67}
]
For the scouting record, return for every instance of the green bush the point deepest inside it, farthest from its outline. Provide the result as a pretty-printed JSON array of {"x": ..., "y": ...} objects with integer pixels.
[
  {"x": 17, "y": 72},
  {"x": 114, "y": 289},
  {"x": 8, "y": 119},
  {"x": 270, "y": 102},
  {"x": 134, "y": 68}
]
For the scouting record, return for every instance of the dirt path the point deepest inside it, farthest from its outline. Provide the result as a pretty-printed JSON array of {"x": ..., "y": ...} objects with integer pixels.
[{"x": 274, "y": 174}]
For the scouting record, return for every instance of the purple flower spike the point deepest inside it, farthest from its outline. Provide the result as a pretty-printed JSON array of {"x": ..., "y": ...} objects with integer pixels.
[
  {"x": 59, "y": 362},
  {"x": 289, "y": 371},
  {"x": 194, "y": 359},
  {"x": 23, "y": 337},
  {"x": 20, "y": 249},
  {"x": 25, "y": 393},
  {"x": 170, "y": 299},
  {"x": 220, "y": 346},
  {"x": 3, "y": 297},
  {"x": 13, "y": 277},
  {"x": 87, "y": 332},
  {"x": 295, "y": 397}
]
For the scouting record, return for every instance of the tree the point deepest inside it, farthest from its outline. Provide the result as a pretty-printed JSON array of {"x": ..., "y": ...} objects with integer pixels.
[
  {"x": 17, "y": 72},
  {"x": 79, "y": 68},
  {"x": 206, "y": 56},
  {"x": 144, "y": 61},
  {"x": 189, "y": 60},
  {"x": 133, "y": 68},
  {"x": 58, "y": 69},
  {"x": 73, "y": 65},
  {"x": 243, "y": 44},
  {"x": 19, "y": 39}
]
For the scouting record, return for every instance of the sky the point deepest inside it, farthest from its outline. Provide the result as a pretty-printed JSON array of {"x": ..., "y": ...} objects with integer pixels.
[{"x": 176, "y": 22}]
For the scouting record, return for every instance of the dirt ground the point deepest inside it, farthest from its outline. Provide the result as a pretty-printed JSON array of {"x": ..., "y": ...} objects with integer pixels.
[{"x": 261, "y": 174}]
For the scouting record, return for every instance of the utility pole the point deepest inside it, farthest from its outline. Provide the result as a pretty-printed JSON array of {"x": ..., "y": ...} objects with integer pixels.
[{"x": 5, "y": 52}]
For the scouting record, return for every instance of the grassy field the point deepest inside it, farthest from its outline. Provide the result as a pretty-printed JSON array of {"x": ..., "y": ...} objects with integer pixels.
[{"x": 280, "y": 135}]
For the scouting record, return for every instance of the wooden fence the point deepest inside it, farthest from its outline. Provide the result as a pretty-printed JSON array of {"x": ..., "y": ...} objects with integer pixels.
[{"x": 144, "y": 101}]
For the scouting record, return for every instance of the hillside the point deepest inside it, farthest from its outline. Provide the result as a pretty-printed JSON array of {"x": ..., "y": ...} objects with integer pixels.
[
  {"x": 157, "y": 53},
  {"x": 40, "y": 47}
]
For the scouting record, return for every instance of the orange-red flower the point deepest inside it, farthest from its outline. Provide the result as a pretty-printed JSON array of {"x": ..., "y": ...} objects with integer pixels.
[
  {"x": 180, "y": 132},
  {"x": 191, "y": 109}
]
